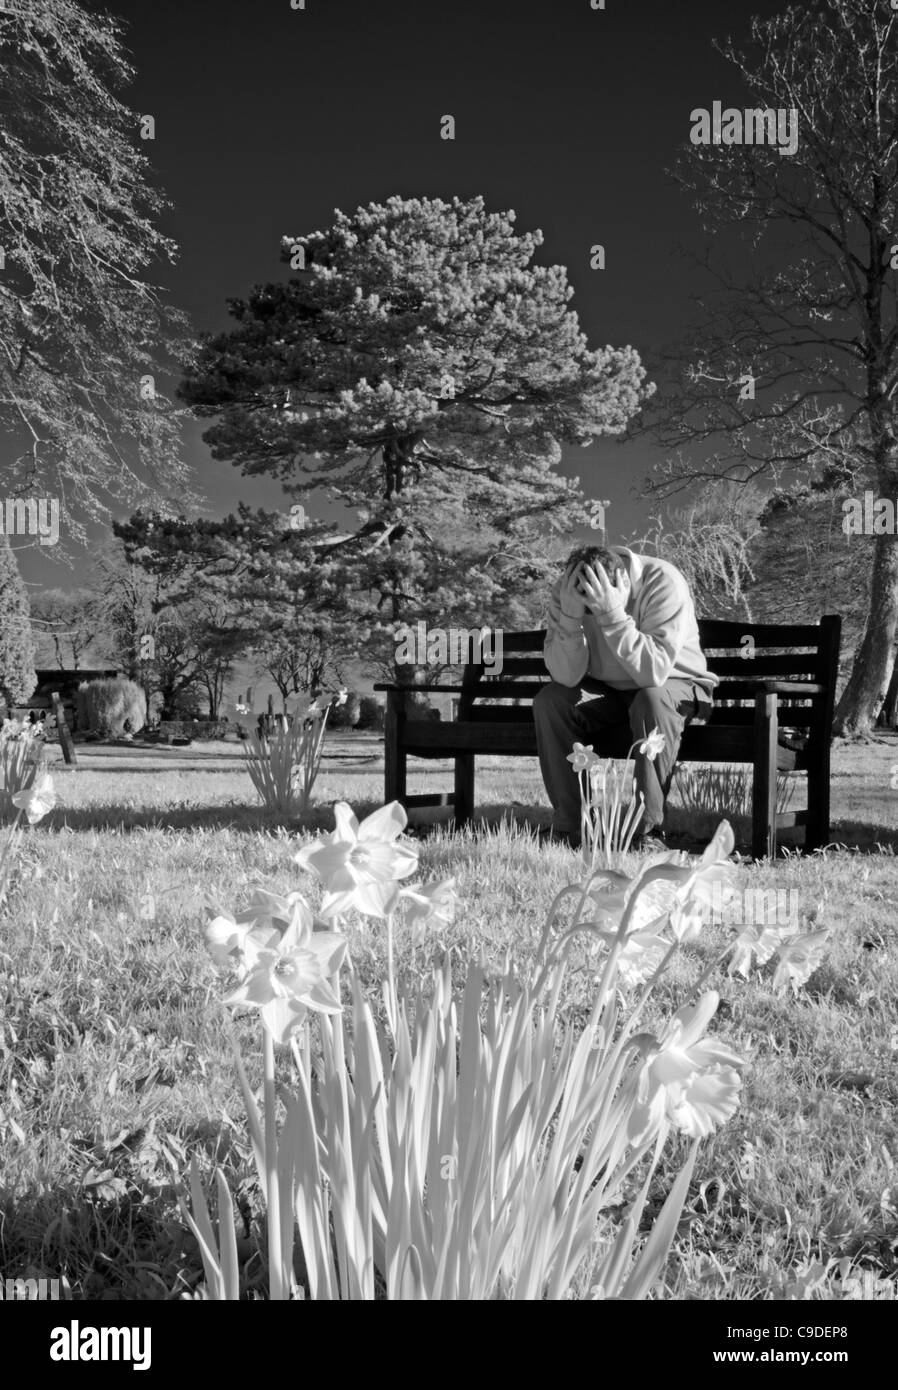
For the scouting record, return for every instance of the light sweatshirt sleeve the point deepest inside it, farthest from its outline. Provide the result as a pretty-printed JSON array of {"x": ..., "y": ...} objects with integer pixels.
[
  {"x": 565, "y": 650},
  {"x": 649, "y": 652}
]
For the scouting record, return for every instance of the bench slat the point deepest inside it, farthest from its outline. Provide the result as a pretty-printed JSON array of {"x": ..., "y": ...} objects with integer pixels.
[
  {"x": 791, "y": 716},
  {"x": 715, "y": 633},
  {"x": 802, "y": 665},
  {"x": 726, "y": 743}
]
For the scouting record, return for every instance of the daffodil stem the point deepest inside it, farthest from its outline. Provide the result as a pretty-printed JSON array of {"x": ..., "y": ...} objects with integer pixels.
[
  {"x": 394, "y": 1001},
  {"x": 275, "y": 1268}
]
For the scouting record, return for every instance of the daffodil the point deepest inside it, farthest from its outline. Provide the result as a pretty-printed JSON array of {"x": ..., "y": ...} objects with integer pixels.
[
  {"x": 428, "y": 903},
  {"x": 341, "y": 696},
  {"x": 640, "y": 958},
  {"x": 361, "y": 864},
  {"x": 291, "y": 975},
  {"x": 685, "y": 1080},
  {"x": 652, "y": 745},
  {"x": 37, "y": 799},
  {"x": 758, "y": 942},
  {"x": 238, "y": 944},
  {"x": 799, "y": 958},
  {"x": 582, "y": 758}
]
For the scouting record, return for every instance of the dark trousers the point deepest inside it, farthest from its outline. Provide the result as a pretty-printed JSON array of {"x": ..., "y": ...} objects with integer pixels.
[{"x": 565, "y": 715}]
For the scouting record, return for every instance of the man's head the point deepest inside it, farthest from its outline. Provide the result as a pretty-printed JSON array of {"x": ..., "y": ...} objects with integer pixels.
[{"x": 595, "y": 554}]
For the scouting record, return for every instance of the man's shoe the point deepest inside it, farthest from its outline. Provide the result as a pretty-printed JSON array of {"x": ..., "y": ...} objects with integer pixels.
[{"x": 550, "y": 835}]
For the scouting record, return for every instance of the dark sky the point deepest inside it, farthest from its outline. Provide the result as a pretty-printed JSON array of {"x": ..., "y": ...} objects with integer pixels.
[{"x": 269, "y": 118}]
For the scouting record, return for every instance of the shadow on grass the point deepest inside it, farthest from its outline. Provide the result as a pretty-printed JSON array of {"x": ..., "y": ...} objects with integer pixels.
[
  {"x": 156, "y": 1255},
  {"x": 250, "y": 820}
]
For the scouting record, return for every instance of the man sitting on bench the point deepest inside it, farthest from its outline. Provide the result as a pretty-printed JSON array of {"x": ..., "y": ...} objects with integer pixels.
[{"x": 623, "y": 651}]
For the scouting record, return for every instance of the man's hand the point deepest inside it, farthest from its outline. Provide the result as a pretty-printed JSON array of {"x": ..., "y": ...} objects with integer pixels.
[
  {"x": 601, "y": 596},
  {"x": 573, "y": 604}
]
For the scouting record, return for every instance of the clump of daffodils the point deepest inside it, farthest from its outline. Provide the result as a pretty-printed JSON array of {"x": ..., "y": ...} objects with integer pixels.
[
  {"x": 610, "y": 810},
  {"x": 284, "y": 764},
  {"x": 403, "y": 1139},
  {"x": 22, "y": 753},
  {"x": 34, "y": 800}
]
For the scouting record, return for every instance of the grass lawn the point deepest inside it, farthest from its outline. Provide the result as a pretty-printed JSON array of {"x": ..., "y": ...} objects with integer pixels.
[{"x": 115, "y": 1063}]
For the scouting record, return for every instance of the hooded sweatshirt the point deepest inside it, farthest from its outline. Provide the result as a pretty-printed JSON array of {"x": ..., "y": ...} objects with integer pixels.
[{"x": 645, "y": 644}]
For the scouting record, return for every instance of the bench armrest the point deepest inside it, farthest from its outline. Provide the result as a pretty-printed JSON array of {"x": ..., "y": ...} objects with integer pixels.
[{"x": 775, "y": 687}]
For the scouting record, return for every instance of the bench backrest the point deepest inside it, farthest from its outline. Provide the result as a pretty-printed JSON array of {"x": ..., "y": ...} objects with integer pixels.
[{"x": 738, "y": 653}]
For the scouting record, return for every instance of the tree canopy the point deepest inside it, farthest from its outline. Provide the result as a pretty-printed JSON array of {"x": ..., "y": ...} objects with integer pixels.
[
  {"x": 791, "y": 366},
  {"x": 421, "y": 371},
  {"x": 85, "y": 338}
]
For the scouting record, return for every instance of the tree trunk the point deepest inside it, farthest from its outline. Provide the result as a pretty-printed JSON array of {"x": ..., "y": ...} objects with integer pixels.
[
  {"x": 871, "y": 673},
  {"x": 887, "y": 715}
]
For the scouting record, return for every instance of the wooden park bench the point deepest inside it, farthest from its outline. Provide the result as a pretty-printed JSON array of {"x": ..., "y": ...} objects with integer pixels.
[{"x": 773, "y": 709}]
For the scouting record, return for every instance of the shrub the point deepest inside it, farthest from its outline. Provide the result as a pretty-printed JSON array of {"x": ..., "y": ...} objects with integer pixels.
[
  {"x": 104, "y": 706},
  {"x": 346, "y": 716},
  {"x": 371, "y": 713}
]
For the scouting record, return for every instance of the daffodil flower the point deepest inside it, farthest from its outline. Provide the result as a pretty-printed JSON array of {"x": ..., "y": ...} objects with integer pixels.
[
  {"x": 652, "y": 745},
  {"x": 686, "y": 1080},
  {"x": 361, "y": 864},
  {"x": 238, "y": 944},
  {"x": 799, "y": 958},
  {"x": 582, "y": 758},
  {"x": 429, "y": 903},
  {"x": 640, "y": 958},
  {"x": 759, "y": 942},
  {"x": 291, "y": 976},
  {"x": 37, "y": 799},
  {"x": 341, "y": 696}
]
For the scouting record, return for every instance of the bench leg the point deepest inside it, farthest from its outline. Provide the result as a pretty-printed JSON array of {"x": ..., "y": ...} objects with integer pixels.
[
  {"x": 816, "y": 833},
  {"x": 763, "y": 809},
  {"x": 394, "y": 754},
  {"x": 464, "y": 788}
]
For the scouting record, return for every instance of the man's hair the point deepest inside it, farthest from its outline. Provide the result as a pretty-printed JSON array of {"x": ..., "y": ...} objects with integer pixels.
[{"x": 595, "y": 554}]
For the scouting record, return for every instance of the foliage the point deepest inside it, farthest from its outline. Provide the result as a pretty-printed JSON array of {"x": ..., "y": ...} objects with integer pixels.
[
  {"x": 283, "y": 765},
  {"x": 609, "y": 810},
  {"x": 802, "y": 304},
  {"x": 358, "y": 378},
  {"x": 346, "y": 716},
  {"x": 21, "y": 760},
  {"x": 67, "y": 623},
  {"x": 454, "y": 1156},
  {"x": 371, "y": 713},
  {"x": 710, "y": 543},
  {"x": 25, "y": 788},
  {"x": 17, "y": 674},
  {"x": 103, "y": 706},
  {"x": 724, "y": 790},
  {"x": 83, "y": 329},
  {"x": 813, "y": 1137}
]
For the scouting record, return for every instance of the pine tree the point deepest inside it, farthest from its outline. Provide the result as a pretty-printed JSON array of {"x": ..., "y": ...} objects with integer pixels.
[
  {"x": 17, "y": 674},
  {"x": 424, "y": 374}
]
